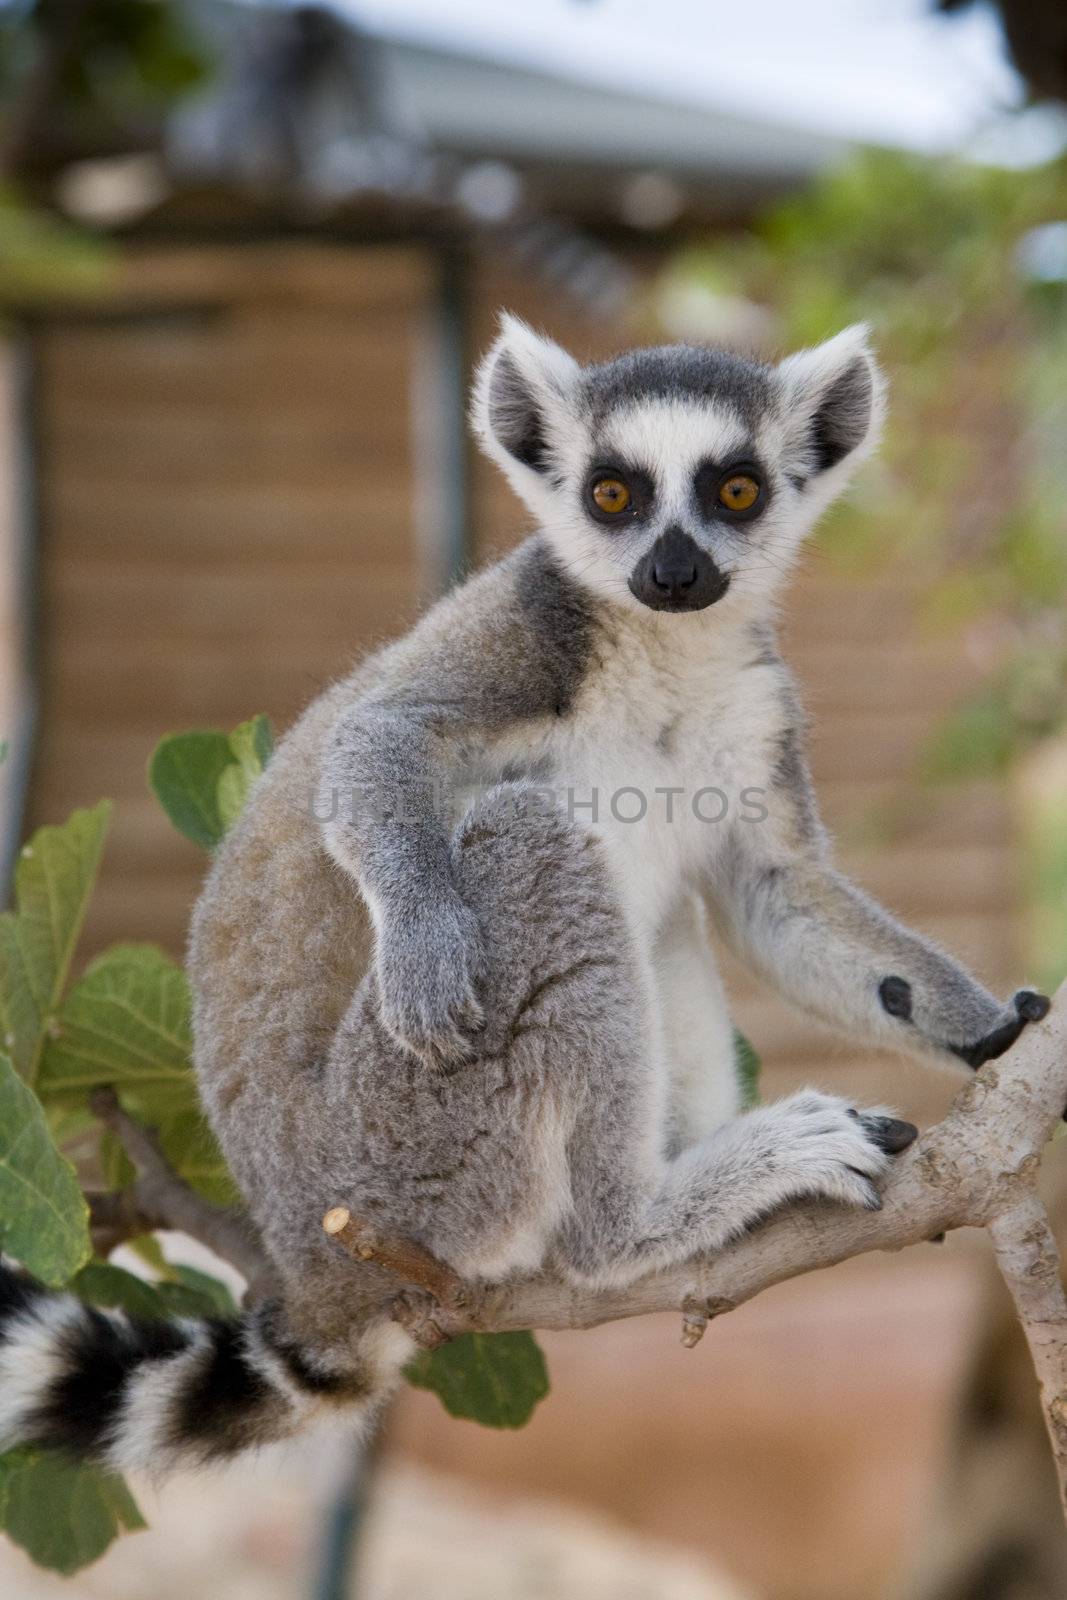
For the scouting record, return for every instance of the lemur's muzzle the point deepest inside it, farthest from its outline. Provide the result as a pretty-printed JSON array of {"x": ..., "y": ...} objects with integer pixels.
[{"x": 677, "y": 575}]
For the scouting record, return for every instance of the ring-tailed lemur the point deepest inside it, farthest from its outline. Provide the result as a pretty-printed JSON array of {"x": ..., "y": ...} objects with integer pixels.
[{"x": 494, "y": 1024}]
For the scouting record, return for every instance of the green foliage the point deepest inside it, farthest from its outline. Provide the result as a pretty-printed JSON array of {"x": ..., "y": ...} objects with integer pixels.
[
  {"x": 748, "y": 1071},
  {"x": 124, "y": 1024},
  {"x": 493, "y": 1378},
  {"x": 53, "y": 881},
  {"x": 64, "y": 1516},
  {"x": 202, "y": 779},
  {"x": 180, "y": 1292},
  {"x": 43, "y": 1217},
  {"x": 129, "y": 60},
  {"x": 190, "y": 1147},
  {"x": 103, "y": 1284},
  {"x": 185, "y": 773},
  {"x": 42, "y": 257}
]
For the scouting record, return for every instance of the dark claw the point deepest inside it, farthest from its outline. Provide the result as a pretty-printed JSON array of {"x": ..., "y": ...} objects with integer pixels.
[
  {"x": 891, "y": 1134},
  {"x": 1029, "y": 1007}
]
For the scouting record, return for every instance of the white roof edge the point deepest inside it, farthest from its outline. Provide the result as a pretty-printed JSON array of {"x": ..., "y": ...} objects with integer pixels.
[{"x": 469, "y": 102}]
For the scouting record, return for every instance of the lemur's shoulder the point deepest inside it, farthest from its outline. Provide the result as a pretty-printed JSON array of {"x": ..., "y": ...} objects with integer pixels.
[{"x": 515, "y": 641}]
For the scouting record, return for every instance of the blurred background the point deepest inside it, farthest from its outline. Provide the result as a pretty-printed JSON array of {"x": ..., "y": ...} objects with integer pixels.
[{"x": 248, "y": 254}]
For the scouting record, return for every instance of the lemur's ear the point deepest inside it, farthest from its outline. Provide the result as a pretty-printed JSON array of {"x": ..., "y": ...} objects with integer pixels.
[
  {"x": 833, "y": 400},
  {"x": 521, "y": 396}
]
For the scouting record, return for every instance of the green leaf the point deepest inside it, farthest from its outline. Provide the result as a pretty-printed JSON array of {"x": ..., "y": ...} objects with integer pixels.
[
  {"x": 54, "y": 879},
  {"x": 748, "y": 1071},
  {"x": 44, "y": 1220},
  {"x": 212, "y": 1290},
  {"x": 202, "y": 779},
  {"x": 184, "y": 773},
  {"x": 493, "y": 1378},
  {"x": 232, "y": 793},
  {"x": 252, "y": 743},
  {"x": 184, "y": 1292},
  {"x": 148, "y": 1248},
  {"x": 113, "y": 1287},
  {"x": 126, "y": 1024},
  {"x": 116, "y": 1168},
  {"x": 189, "y": 1145},
  {"x": 191, "y": 1293},
  {"x": 64, "y": 1516}
]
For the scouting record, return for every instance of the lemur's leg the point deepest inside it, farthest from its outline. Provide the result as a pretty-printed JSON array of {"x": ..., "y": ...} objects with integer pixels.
[
  {"x": 698, "y": 1035},
  {"x": 553, "y": 1137},
  {"x": 628, "y": 1218},
  {"x": 837, "y": 954},
  {"x": 576, "y": 1124},
  {"x": 472, "y": 1160}
]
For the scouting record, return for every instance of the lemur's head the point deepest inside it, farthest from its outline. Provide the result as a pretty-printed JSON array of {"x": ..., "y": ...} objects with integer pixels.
[{"x": 671, "y": 477}]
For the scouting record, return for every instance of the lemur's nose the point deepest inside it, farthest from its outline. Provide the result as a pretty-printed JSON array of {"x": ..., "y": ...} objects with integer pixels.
[
  {"x": 674, "y": 577},
  {"x": 677, "y": 575},
  {"x": 674, "y": 569}
]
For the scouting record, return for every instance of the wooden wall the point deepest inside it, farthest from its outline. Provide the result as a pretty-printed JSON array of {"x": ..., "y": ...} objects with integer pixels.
[
  {"x": 226, "y": 521},
  {"x": 227, "y": 500}
]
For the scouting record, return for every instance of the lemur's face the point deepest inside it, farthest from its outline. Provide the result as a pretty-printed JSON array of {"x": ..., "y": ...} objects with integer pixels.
[{"x": 674, "y": 478}]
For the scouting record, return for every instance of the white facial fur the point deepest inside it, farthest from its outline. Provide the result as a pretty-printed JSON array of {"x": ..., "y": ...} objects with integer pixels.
[{"x": 529, "y": 389}]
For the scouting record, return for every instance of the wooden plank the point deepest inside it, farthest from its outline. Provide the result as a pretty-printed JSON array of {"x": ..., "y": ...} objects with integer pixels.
[{"x": 273, "y": 274}]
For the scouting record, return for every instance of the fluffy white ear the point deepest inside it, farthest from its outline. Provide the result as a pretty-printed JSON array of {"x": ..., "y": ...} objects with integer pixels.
[
  {"x": 833, "y": 402},
  {"x": 521, "y": 400}
]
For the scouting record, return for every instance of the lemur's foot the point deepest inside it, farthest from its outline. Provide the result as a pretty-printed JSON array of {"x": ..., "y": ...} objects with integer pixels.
[
  {"x": 1024, "y": 1007},
  {"x": 825, "y": 1148}
]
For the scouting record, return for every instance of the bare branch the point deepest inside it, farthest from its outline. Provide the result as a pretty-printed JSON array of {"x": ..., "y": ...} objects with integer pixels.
[
  {"x": 411, "y": 1263},
  {"x": 978, "y": 1167},
  {"x": 1030, "y": 1263},
  {"x": 160, "y": 1199}
]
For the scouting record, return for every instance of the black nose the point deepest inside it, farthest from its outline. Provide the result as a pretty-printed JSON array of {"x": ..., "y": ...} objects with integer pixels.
[
  {"x": 677, "y": 575},
  {"x": 674, "y": 576}
]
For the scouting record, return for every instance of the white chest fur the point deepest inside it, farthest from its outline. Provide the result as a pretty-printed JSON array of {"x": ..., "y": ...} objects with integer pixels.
[{"x": 662, "y": 754}]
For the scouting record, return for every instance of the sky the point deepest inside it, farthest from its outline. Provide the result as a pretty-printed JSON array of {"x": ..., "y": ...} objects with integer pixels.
[{"x": 886, "y": 71}]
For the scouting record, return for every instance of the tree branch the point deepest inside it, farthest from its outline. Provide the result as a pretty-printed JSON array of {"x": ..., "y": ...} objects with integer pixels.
[
  {"x": 976, "y": 1168},
  {"x": 160, "y": 1199},
  {"x": 1029, "y": 1261}
]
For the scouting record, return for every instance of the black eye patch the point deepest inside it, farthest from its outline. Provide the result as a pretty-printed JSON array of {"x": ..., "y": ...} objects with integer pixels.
[
  {"x": 710, "y": 480},
  {"x": 640, "y": 484}
]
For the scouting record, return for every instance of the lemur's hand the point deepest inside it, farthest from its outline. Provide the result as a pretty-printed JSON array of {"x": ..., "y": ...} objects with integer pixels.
[
  {"x": 1000, "y": 1026},
  {"x": 1025, "y": 1006},
  {"x": 429, "y": 965}
]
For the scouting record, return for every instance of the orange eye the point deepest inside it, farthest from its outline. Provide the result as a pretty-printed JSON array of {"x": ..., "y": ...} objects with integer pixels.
[
  {"x": 739, "y": 492},
  {"x": 611, "y": 495}
]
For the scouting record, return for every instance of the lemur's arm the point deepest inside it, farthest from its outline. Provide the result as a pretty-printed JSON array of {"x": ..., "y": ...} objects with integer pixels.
[
  {"x": 386, "y": 768},
  {"x": 504, "y": 651},
  {"x": 832, "y": 950}
]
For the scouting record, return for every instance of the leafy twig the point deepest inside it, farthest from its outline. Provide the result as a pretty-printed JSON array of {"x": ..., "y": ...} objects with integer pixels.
[{"x": 161, "y": 1199}]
